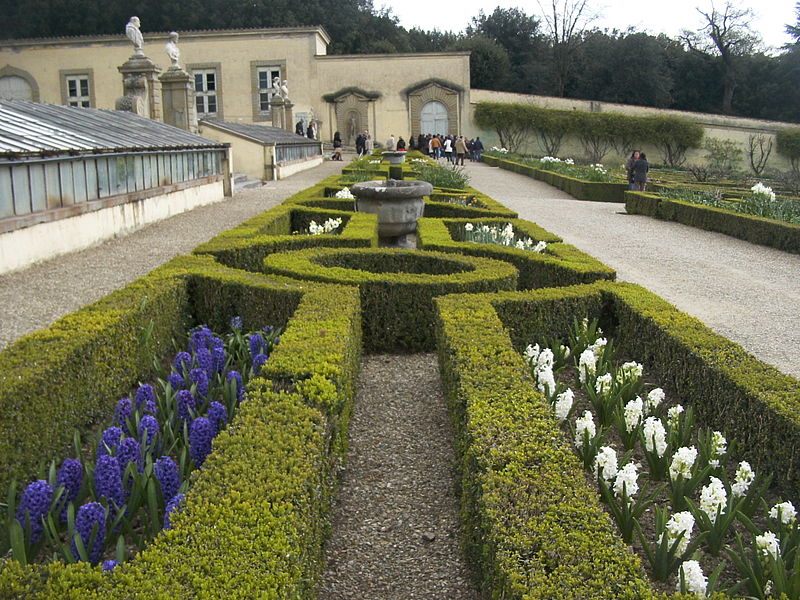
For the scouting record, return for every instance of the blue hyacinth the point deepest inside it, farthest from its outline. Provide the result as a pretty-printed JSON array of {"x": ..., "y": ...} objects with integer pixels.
[
  {"x": 218, "y": 415},
  {"x": 218, "y": 359},
  {"x": 129, "y": 451},
  {"x": 182, "y": 362},
  {"x": 239, "y": 385},
  {"x": 205, "y": 361},
  {"x": 145, "y": 394},
  {"x": 109, "y": 440},
  {"x": 200, "y": 378},
  {"x": 89, "y": 515},
  {"x": 70, "y": 477},
  {"x": 176, "y": 381},
  {"x": 148, "y": 430},
  {"x": 237, "y": 323},
  {"x": 268, "y": 329},
  {"x": 258, "y": 361},
  {"x": 35, "y": 504},
  {"x": 186, "y": 405},
  {"x": 199, "y": 338},
  {"x": 166, "y": 471},
  {"x": 108, "y": 480},
  {"x": 109, "y": 565},
  {"x": 172, "y": 507},
  {"x": 200, "y": 435},
  {"x": 256, "y": 344},
  {"x": 122, "y": 413}
]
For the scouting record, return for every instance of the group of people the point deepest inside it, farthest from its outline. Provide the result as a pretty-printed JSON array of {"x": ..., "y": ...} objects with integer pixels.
[
  {"x": 637, "y": 168},
  {"x": 452, "y": 148}
]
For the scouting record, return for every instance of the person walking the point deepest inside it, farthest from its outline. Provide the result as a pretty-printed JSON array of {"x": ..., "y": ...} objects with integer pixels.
[
  {"x": 477, "y": 149},
  {"x": 461, "y": 150},
  {"x": 369, "y": 144},
  {"x": 640, "y": 169},
  {"x": 448, "y": 149},
  {"x": 436, "y": 147}
]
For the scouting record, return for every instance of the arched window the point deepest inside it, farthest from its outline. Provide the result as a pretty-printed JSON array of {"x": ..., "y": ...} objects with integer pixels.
[{"x": 13, "y": 87}]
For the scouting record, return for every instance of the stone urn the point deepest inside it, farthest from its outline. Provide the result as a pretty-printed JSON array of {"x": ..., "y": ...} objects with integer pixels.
[
  {"x": 398, "y": 204},
  {"x": 394, "y": 157}
]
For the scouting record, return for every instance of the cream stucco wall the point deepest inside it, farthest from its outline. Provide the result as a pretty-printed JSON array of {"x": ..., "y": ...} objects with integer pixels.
[
  {"x": 249, "y": 156},
  {"x": 391, "y": 74},
  {"x": 721, "y": 127}
]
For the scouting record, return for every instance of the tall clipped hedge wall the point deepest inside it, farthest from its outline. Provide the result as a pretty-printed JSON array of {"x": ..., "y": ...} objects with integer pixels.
[{"x": 514, "y": 123}]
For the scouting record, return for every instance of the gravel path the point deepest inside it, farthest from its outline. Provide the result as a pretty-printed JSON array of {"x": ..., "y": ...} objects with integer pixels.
[
  {"x": 395, "y": 521},
  {"x": 748, "y": 293},
  {"x": 33, "y": 298}
]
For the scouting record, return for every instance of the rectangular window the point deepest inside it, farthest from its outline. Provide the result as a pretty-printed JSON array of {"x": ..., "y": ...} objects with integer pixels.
[
  {"x": 205, "y": 92},
  {"x": 78, "y": 93},
  {"x": 266, "y": 88}
]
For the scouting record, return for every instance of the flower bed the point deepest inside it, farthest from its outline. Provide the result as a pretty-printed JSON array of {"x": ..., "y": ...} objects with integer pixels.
[{"x": 561, "y": 264}]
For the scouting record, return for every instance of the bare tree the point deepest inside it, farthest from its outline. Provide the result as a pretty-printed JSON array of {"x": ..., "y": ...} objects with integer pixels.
[
  {"x": 727, "y": 33},
  {"x": 566, "y": 21}
]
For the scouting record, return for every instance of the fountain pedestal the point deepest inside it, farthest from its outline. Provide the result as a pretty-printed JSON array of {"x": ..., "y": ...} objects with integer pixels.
[{"x": 398, "y": 205}]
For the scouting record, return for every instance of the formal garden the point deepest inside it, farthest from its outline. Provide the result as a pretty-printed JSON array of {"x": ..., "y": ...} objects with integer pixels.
[{"x": 182, "y": 436}]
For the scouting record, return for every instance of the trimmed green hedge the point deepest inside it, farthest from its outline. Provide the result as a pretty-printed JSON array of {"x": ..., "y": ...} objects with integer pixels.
[
  {"x": 582, "y": 190},
  {"x": 758, "y": 230},
  {"x": 560, "y": 265},
  {"x": 256, "y": 516},
  {"x": 397, "y": 286},
  {"x": 535, "y": 527}
]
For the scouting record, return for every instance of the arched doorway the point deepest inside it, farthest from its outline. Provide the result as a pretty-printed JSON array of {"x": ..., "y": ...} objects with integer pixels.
[
  {"x": 433, "y": 118},
  {"x": 13, "y": 87}
]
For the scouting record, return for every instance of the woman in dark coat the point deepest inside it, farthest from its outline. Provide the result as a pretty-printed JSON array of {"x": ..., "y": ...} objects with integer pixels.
[{"x": 640, "y": 169}]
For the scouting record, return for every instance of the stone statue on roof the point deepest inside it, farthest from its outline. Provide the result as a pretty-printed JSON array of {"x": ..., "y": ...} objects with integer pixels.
[
  {"x": 285, "y": 90},
  {"x": 173, "y": 51},
  {"x": 135, "y": 36}
]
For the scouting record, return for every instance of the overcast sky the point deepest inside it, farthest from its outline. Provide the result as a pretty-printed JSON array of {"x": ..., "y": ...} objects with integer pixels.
[{"x": 653, "y": 16}]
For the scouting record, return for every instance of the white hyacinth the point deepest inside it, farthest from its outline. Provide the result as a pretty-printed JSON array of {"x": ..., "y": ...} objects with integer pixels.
[
  {"x": 569, "y": 161},
  {"x": 654, "y": 398},
  {"x": 587, "y": 364},
  {"x": 584, "y": 423},
  {"x": 682, "y": 522},
  {"x": 563, "y": 405},
  {"x": 540, "y": 247},
  {"x": 469, "y": 226},
  {"x": 693, "y": 578},
  {"x": 605, "y": 463},
  {"x": 626, "y": 477},
  {"x": 598, "y": 346},
  {"x": 655, "y": 436},
  {"x": 786, "y": 512},
  {"x": 719, "y": 447},
  {"x": 531, "y": 354},
  {"x": 768, "y": 544},
  {"x": 633, "y": 414},
  {"x": 744, "y": 477},
  {"x": 545, "y": 381},
  {"x": 713, "y": 498},
  {"x": 603, "y": 384},
  {"x": 674, "y": 415},
  {"x": 629, "y": 371},
  {"x": 345, "y": 193},
  {"x": 545, "y": 359},
  {"x": 760, "y": 189},
  {"x": 682, "y": 462}
]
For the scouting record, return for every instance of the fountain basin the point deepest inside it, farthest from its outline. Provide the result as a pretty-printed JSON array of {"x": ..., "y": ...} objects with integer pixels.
[
  {"x": 398, "y": 204},
  {"x": 394, "y": 157}
]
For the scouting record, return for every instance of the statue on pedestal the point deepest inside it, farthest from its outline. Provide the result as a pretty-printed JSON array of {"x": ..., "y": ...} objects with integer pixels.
[
  {"x": 173, "y": 51},
  {"x": 135, "y": 36},
  {"x": 285, "y": 90}
]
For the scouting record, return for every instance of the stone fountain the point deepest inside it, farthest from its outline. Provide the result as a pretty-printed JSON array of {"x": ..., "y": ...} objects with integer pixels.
[{"x": 398, "y": 205}]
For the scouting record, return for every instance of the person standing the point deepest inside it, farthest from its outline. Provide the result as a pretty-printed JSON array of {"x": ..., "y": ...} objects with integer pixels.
[
  {"x": 640, "y": 169},
  {"x": 448, "y": 149},
  {"x": 461, "y": 150},
  {"x": 401, "y": 144},
  {"x": 436, "y": 147},
  {"x": 360, "y": 139},
  {"x": 477, "y": 149},
  {"x": 390, "y": 143},
  {"x": 369, "y": 145},
  {"x": 629, "y": 169}
]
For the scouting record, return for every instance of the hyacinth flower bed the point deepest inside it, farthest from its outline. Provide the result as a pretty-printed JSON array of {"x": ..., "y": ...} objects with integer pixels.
[
  {"x": 761, "y": 202},
  {"x": 701, "y": 522},
  {"x": 105, "y": 507},
  {"x": 566, "y": 166},
  {"x": 330, "y": 226},
  {"x": 501, "y": 236}
]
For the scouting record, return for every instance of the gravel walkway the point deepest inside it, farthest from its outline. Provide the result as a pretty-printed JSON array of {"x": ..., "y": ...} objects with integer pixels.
[
  {"x": 395, "y": 521},
  {"x": 33, "y": 298},
  {"x": 748, "y": 293}
]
